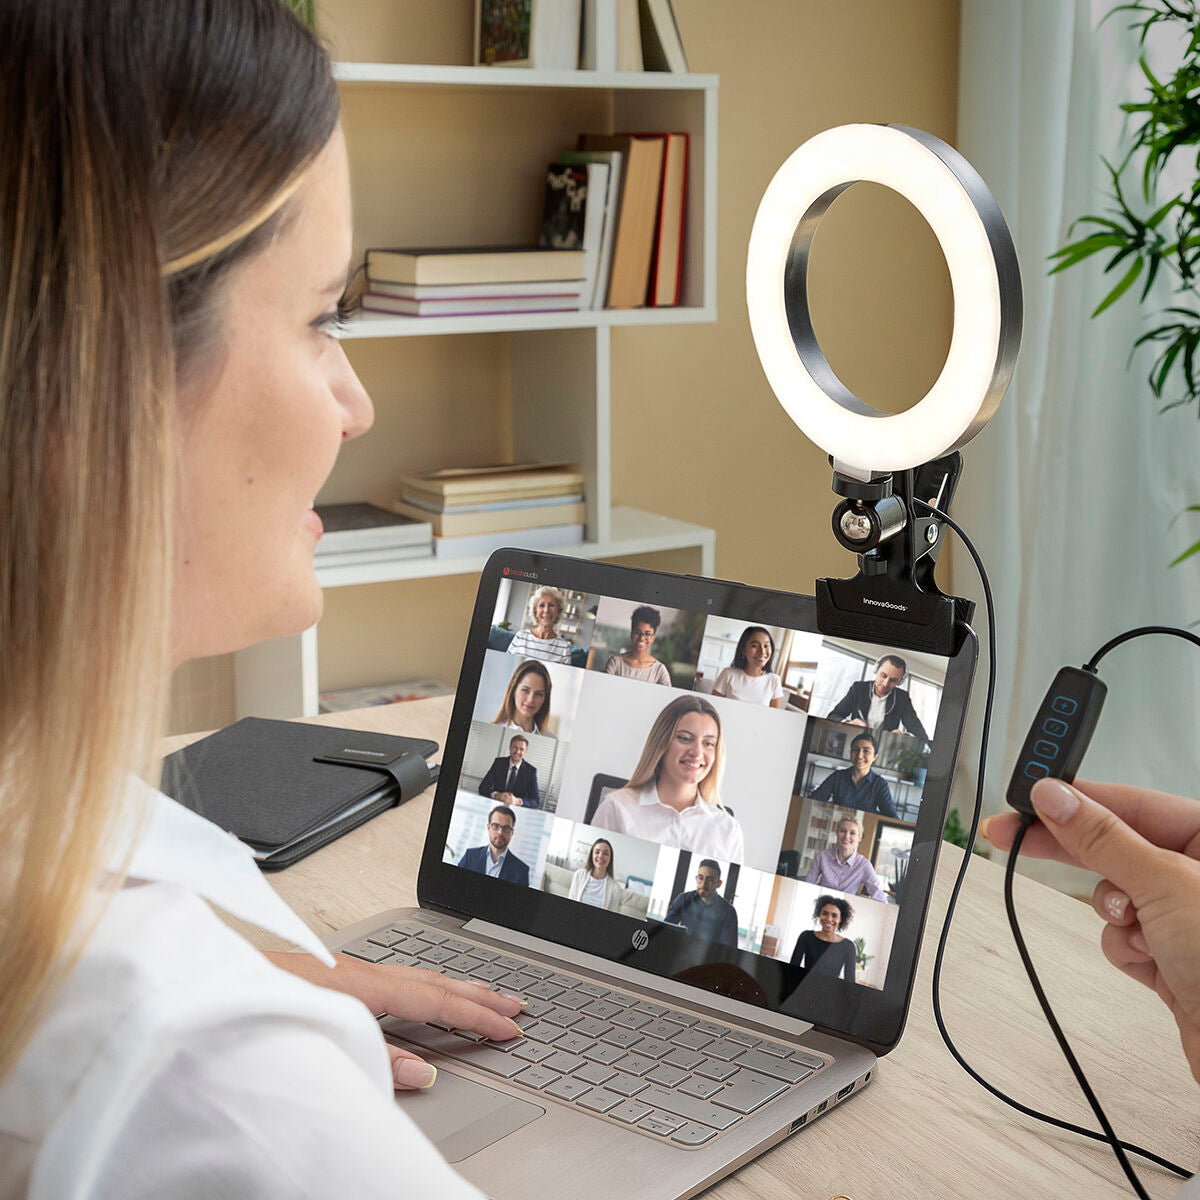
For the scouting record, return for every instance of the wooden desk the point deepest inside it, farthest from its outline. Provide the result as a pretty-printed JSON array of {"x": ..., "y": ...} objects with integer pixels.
[{"x": 923, "y": 1130}]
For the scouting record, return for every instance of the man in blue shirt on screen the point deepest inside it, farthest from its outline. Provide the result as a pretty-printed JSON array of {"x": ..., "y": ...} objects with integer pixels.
[
  {"x": 857, "y": 786},
  {"x": 703, "y": 913}
]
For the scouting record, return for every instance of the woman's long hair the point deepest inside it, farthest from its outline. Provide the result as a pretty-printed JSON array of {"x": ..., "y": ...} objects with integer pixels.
[
  {"x": 591, "y": 858},
  {"x": 740, "y": 661},
  {"x": 508, "y": 706},
  {"x": 145, "y": 150},
  {"x": 659, "y": 739}
]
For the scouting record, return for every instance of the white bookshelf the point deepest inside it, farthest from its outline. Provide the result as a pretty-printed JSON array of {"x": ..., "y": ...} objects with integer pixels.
[{"x": 561, "y": 376}]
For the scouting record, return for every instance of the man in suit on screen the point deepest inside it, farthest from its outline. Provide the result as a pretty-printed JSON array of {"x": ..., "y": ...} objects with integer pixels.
[
  {"x": 880, "y": 703},
  {"x": 495, "y": 859},
  {"x": 511, "y": 780}
]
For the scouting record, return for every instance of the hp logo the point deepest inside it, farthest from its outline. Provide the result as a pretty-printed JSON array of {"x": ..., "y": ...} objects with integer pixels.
[{"x": 641, "y": 939}]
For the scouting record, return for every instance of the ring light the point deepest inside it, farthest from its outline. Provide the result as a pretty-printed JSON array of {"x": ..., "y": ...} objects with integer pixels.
[{"x": 984, "y": 276}]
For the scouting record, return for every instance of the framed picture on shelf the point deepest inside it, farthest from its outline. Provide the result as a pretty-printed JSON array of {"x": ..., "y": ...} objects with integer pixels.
[{"x": 538, "y": 34}]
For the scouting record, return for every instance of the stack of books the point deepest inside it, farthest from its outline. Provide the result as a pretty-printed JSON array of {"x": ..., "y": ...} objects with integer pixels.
[
  {"x": 456, "y": 281},
  {"x": 357, "y": 534},
  {"x": 475, "y": 510}
]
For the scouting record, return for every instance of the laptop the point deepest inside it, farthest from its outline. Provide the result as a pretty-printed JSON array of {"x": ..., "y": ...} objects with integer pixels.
[{"x": 699, "y": 837}]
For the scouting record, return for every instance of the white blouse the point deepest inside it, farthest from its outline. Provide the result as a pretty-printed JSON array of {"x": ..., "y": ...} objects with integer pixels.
[
  {"x": 701, "y": 828},
  {"x": 175, "y": 1060}
]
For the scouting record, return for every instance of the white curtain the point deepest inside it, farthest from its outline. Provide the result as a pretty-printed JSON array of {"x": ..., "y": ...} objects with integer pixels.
[{"x": 1071, "y": 490}]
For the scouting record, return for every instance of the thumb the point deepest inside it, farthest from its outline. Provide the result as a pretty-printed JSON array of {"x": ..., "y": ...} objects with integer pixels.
[{"x": 1098, "y": 839}]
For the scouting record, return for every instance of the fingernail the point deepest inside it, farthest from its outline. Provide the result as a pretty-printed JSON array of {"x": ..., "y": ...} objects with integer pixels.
[
  {"x": 1137, "y": 940},
  {"x": 1054, "y": 801},
  {"x": 479, "y": 983},
  {"x": 1116, "y": 904},
  {"x": 983, "y": 826},
  {"x": 408, "y": 1072},
  {"x": 509, "y": 996}
]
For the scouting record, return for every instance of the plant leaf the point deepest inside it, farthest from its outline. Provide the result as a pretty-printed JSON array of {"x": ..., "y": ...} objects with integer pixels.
[{"x": 1126, "y": 283}]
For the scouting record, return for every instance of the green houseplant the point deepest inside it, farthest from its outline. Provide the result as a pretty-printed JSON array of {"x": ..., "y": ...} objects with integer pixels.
[{"x": 1144, "y": 237}]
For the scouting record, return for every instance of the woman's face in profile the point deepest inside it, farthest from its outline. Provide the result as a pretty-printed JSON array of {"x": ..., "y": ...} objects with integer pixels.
[
  {"x": 529, "y": 695},
  {"x": 601, "y": 855},
  {"x": 545, "y": 611},
  {"x": 692, "y": 750},
  {"x": 260, "y": 439}
]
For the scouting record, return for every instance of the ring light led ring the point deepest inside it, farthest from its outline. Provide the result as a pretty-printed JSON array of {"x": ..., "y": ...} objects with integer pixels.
[{"x": 984, "y": 277}]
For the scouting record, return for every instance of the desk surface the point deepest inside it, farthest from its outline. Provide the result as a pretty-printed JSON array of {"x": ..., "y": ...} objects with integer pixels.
[{"x": 923, "y": 1129}]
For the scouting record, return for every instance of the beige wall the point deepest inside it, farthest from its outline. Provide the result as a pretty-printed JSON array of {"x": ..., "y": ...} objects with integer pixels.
[{"x": 696, "y": 431}]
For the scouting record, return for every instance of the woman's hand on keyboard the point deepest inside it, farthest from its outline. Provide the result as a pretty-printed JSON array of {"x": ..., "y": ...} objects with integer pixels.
[
  {"x": 1147, "y": 846},
  {"x": 412, "y": 994}
]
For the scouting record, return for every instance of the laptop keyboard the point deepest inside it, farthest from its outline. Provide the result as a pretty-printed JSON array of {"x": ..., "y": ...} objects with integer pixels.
[{"x": 651, "y": 1067}]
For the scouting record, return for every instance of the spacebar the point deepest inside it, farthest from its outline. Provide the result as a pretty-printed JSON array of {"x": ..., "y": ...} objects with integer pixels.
[
  {"x": 495, "y": 1062},
  {"x": 685, "y": 1106}
]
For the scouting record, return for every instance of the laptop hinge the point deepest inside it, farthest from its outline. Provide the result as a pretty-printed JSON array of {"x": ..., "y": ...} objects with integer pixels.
[{"x": 643, "y": 981}]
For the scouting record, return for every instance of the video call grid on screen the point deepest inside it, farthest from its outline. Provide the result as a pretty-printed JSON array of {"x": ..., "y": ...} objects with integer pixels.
[{"x": 808, "y": 754}]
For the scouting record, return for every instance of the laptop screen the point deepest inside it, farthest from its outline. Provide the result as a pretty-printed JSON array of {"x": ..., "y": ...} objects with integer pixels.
[{"x": 687, "y": 777}]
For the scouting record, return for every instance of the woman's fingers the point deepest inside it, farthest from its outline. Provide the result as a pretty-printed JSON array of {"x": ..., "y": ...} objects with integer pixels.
[
  {"x": 464, "y": 1007},
  {"x": 1001, "y": 830},
  {"x": 409, "y": 1071}
]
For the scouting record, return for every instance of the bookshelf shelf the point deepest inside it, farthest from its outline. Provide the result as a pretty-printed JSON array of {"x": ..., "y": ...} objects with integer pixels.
[
  {"x": 560, "y": 362},
  {"x": 381, "y": 325}
]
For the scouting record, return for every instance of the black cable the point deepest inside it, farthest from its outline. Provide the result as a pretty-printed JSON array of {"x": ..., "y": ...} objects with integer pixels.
[
  {"x": 1080, "y": 1078},
  {"x": 1130, "y": 634},
  {"x": 1024, "y": 1109}
]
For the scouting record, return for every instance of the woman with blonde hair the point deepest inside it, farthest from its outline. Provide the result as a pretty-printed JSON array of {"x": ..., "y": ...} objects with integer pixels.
[
  {"x": 594, "y": 883},
  {"x": 546, "y": 606},
  {"x": 526, "y": 703},
  {"x": 175, "y": 230},
  {"x": 672, "y": 797}
]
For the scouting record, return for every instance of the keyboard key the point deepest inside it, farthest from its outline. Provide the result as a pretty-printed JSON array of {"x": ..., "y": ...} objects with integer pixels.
[
  {"x": 661, "y": 1122},
  {"x": 682, "y": 1018},
  {"x": 437, "y": 954},
  {"x": 776, "y": 1050},
  {"x": 700, "y": 1087},
  {"x": 650, "y": 1009},
  {"x": 514, "y": 983},
  {"x": 594, "y": 990},
  {"x": 590, "y": 1027},
  {"x": 808, "y": 1060},
  {"x": 560, "y": 1060},
  {"x": 535, "y": 1007},
  {"x": 637, "y": 1064},
  {"x": 777, "y": 1068},
  {"x": 470, "y": 1035},
  {"x": 654, "y": 1048},
  {"x": 691, "y": 1040},
  {"x": 407, "y": 928},
  {"x": 537, "y": 1077},
  {"x": 713, "y": 1029},
  {"x": 508, "y": 963},
  {"x": 687, "y": 1059},
  {"x": 462, "y": 962},
  {"x": 459, "y": 947},
  {"x": 534, "y": 1052},
  {"x": 536, "y": 971},
  {"x": 540, "y": 1031},
  {"x": 603, "y": 1053},
  {"x": 662, "y": 1029},
  {"x": 489, "y": 972},
  {"x": 725, "y": 1049},
  {"x": 599, "y": 1100},
  {"x": 485, "y": 953},
  {"x": 596, "y": 1073},
  {"x": 565, "y": 981},
  {"x": 621, "y": 1037},
  {"x": 431, "y": 936},
  {"x": 689, "y": 1108},
  {"x": 575, "y": 999},
  {"x": 744, "y": 1039},
  {"x": 568, "y": 1089},
  {"x": 631, "y": 1111},
  {"x": 572, "y": 1043},
  {"x": 604, "y": 1009},
  {"x": 694, "y": 1135},
  {"x": 627, "y": 1085},
  {"x": 545, "y": 990},
  {"x": 747, "y": 1091},
  {"x": 562, "y": 1017},
  {"x": 508, "y": 1044},
  {"x": 386, "y": 937},
  {"x": 712, "y": 1068},
  {"x": 621, "y": 999},
  {"x": 667, "y": 1076},
  {"x": 404, "y": 960},
  {"x": 367, "y": 952},
  {"x": 631, "y": 1019},
  {"x": 493, "y": 1061}
]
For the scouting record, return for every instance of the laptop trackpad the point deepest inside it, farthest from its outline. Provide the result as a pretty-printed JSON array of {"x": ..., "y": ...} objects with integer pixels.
[{"x": 461, "y": 1117}]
